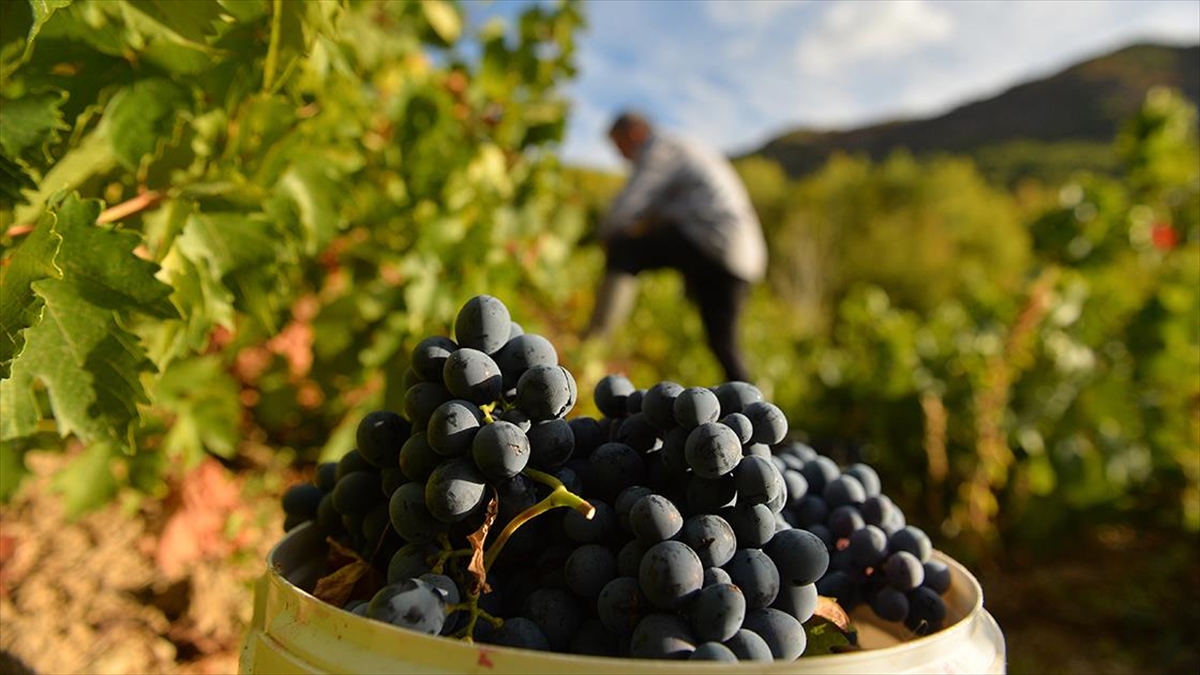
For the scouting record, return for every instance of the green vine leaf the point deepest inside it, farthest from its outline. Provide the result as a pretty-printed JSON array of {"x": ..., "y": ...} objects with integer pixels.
[
  {"x": 20, "y": 307},
  {"x": 31, "y": 121},
  {"x": 99, "y": 263},
  {"x": 91, "y": 367}
]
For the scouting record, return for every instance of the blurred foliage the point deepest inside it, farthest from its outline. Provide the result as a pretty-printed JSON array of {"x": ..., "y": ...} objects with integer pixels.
[{"x": 238, "y": 216}]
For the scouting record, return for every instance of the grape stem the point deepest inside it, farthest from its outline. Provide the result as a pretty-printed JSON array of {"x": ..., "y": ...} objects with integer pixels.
[{"x": 559, "y": 496}]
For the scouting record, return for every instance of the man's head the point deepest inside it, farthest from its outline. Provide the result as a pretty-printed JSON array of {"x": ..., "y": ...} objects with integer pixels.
[{"x": 629, "y": 133}]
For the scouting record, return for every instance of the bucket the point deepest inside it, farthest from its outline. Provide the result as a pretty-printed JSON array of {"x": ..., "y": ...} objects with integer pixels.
[{"x": 294, "y": 632}]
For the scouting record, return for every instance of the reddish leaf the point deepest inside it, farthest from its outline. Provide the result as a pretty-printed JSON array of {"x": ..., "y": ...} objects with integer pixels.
[{"x": 829, "y": 608}]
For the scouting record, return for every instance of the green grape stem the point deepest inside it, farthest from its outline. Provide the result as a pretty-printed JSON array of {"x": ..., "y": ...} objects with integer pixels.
[{"x": 559, "y": 496}]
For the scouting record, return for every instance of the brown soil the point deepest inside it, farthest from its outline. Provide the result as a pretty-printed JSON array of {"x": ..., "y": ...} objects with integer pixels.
[{"x": 160, "y": 587}]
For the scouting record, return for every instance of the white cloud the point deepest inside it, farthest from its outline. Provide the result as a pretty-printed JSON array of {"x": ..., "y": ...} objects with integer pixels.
[
  {"x": 749, "y": 12},
  {"x": 856, "y": 31}
]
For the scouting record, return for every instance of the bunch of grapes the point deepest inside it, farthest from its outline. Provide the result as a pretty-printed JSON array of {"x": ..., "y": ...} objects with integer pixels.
[{"x": 691, "y": 527}]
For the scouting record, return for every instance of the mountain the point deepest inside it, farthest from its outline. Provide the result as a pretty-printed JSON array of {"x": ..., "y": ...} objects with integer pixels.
[{"x": 1070, "y": 117}]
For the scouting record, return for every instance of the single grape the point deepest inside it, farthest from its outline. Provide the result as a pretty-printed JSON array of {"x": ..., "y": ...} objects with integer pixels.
[
  {"x": 611, "y": 393},
  {"x": 653, "y": 518},
  {"x": 799, "y": 555},
  {"x": 661, "y": 636},
  {"x": 350, "y": 462},
  {"x": 410, "y": 517},
  {"x": 904, "y": 571},
  {"x": 588, "y": 436},
  {"x": 625, "y": 501},
  {"x": 520, "y": 632},
  {"x": 796, "y": 487},
  {"x": 473, "y": 376},
  {"x": 749, "y": 646},
  {"x": 819, "y": 471},
  {"x": 797, "y": 601},
  {"x": 695, "y": 406},
  {"x": 770, "y": 424},
  {"x": 734, "y": 396},
  {"x": 545, "y": 392},
  {"x": 302, "y": 501},
  {"x": 500, "y": 450},
  {"x": 780, "y": 630},
  {"x": 937, "y": 576},
  {"x": 753, "y": 524},
  {"x": 759, "y": 482},
  {"x": 658, "y": 404},
  {"x": 454, "y": 490},
  {"x": 868, "y": 547},
  {"x": 715, "y": 575},
  {"x": 926, "y": 611},
  {"x": 866, "y": 476},
  {"x": 551, "y": 444},
  {"x": 712, "y": 450},
  {"x": 911, "y": 539},
  {"x": 483, "y": 323},
  {"x": 741, "y": 425},
  {"x": 621, "y": 605},
  {"x": 379, "y": 435},
  {"x": 637, "y": 432},
  {"x": 844, "y": 521},
  {"x": 890, "y": 604},
  {"x": 421, "y": 399},
  {"x": 673, "y": 451},
  {"x": 844, "y": 490},
  {"x": 412, "y": 604},
  {"x": 713, "y": 651},
  {"x": 556, "y": 612},
  {"x": 716, "y": 612},
  {"x": 615, "y": 466},
  {"x": 811, "y": 511},
  {"x": 326, "y": 476},
  {"x": 357, "y": 492},
  {"x": 589, "y": 568},
  {"x": 411, "y": 561},
  {"x": 452, "y": 427},
  {"x": 711, "y": 537},
  {"x": 629, "y": 558},
  {"x": 670, "y": 573},
  {"x": 753, "y": 571},
  {"x": 429, "y": 357},
  {"x": 417, "y": 458}
]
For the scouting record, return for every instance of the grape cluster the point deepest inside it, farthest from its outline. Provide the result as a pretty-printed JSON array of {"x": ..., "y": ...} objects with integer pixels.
[{"x": 692, "y": 528}]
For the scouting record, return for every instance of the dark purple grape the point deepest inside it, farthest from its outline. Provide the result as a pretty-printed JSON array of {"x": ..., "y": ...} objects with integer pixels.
[
  {"x": 695, "y": 406},
  {"x": 429, "y": 357},
  {"x": 661, "y": 636},
  {"x": 653, "y": 518},
  {"x": 711, "y": 537},
  {"x": 670, "y": 572},
  {"x": 483, "y": 323},
  {"x": 716, "y": 612},
  {"x": 611, "y": 393},
  {"x": 712, "y": 450},
  {"x": 799, "y": 555},
  {"x": 754, "y": 572}
]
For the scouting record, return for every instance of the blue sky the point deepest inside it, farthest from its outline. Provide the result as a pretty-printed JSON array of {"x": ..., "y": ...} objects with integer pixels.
[{"x": 737, "y": 72}]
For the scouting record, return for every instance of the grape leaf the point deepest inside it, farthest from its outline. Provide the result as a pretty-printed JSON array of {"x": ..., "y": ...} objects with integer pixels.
[
  {"x": 99, "y": 263},
  {"x": 141, "y": 116},
  {"x": 92, "y": 157},
  {"x": 203, "y": 401},
  {"x": 315, "y": 196},
  {"x": 20, "y": 308},
  {"x": 352, "y": 576},
  {"x": 826, "y": 637},
  {"x": 88, "y": 481},
  {"x": 12, "y": 470},
  {"x": 31, "y": 121},
  {"x": 90, "y": 364}
]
